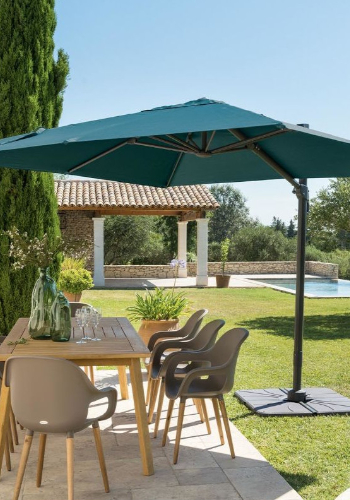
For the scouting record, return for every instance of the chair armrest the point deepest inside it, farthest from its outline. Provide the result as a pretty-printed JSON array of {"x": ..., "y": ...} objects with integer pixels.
[
  {"x": 160, "y": 348},
  {"x": 163, "y": 335},
  {"x": 198, "y": 373},
  {"x": 112, "y": 395}
]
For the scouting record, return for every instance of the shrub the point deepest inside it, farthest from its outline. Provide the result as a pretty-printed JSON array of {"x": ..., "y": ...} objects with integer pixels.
[
  {"x": 262, "y": 243},
  {"x": 70, "y": 263},
  {"x": 75, "y": 280},
  {"x": 214, "y": 251}
]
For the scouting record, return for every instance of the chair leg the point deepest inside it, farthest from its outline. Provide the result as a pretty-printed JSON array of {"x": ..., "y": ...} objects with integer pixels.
[
  {"x": 7, "y": 454},
  {"x": 205, "y": 414},
  {"x": 167, "y": 421},
  {"x": 179, "y": 429},
  {"x": 152, "y": 404},
  {"x": 70, "y": 464},
  {"x": 86, "y": 370},
  {"x": 227, "y": 426},
  {"x": 218, "y": 419},
  {"x": 149, "y": 385},
  {"x": 10, "y": 441},
  {"x": 22, "y": 464},
  {"x": 101, "y": 458},
  {"x": 41, "y": 455},
  {"x": 160, "y": 406},
  {"x": 92, "y": 375},
  {"x": 199, "y": 409},
  {"x": 13, "y": 427}
]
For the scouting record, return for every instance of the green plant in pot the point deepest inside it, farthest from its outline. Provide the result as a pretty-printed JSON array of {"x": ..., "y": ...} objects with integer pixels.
[
  {"x": 159, "y": 309},
  {"x": 74, "y": 281},
  {"x": 223, "y": 280}
]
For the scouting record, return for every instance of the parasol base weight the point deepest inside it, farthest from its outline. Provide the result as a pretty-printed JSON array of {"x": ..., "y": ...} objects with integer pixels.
[{"x": 275, "y": 402}]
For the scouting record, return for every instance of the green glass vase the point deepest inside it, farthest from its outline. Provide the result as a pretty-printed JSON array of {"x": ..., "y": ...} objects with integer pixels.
[
  {"x": 60, "y": 319},
  {"x": 43, "y": 297}
]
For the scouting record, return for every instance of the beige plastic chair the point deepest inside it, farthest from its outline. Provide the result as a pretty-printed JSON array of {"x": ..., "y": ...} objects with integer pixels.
[
  {"x": 203, "y": 340},
  {"x": 218, "y": 370},
  {"x": 12, "y": 438},
  {"x": 190, "y": 328},
  {"x": 51, "y": 395},
  {"x": 74, "y": 306}
]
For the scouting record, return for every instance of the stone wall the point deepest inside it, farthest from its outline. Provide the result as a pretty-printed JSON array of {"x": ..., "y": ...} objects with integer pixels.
[
  {"x": 78, "y": 224},
  {"x": 322, "y": 269},
  {"x": 278, "y": 267}
]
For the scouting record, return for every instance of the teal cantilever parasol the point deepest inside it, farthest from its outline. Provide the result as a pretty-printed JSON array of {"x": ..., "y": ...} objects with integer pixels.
[{"x": 202, "y": 141}]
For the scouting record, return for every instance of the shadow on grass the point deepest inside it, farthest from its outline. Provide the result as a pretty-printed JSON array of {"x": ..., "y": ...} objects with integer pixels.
[
  {"x": 331, "y": 327},
  {"x": 297, "y": 481}
]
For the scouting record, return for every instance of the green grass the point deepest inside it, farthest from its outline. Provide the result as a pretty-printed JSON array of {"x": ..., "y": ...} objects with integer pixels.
[{"x": 312, "y": 453}]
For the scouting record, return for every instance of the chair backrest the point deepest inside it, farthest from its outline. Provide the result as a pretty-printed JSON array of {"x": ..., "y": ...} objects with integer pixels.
[
  {"x": 225, "y": 354},
  {"x": 48, "y": 394},
  {"x": 193, "y": 324},
  {"x": 206, "y": 337},
  {"x": 74, "y": 306}
]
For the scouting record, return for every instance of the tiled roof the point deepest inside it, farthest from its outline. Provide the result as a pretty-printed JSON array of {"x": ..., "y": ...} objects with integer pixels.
[{"x": 107, "y": 194}]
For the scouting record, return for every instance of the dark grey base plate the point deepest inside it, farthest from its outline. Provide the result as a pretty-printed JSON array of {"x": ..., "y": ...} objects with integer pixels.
[{"x": 273, "y": 402}]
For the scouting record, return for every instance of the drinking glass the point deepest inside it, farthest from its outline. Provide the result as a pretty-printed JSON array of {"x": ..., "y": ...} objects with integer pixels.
[
  {"x": 87, "y": 317},
  {"x": 95, "y": 318},
  {"x": 79, "y": 318}
]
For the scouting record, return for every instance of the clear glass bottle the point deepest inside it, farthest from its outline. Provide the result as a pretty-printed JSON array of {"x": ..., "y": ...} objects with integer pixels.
[
  {"x": 60, "y": 319},
  {"x": 43, "y": 296}
]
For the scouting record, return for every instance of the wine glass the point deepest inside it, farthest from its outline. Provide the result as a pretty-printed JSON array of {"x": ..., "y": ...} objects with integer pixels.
[
  {"x": 79, "y": 319},
  {"x": 95, "y": 318},
  {"x": 86, "y": 314}
]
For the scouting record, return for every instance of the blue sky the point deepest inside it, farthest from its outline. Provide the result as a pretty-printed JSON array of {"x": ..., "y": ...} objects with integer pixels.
[{"x": 287, "y": 60}]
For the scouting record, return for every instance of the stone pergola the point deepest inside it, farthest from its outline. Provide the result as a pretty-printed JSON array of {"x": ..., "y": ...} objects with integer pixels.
[{"x": 82, "y": 206}]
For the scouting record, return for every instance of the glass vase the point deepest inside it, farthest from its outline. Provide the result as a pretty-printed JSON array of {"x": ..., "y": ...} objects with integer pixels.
[
  {"x": 60, "y": 319},
  {"x": 43, "y": 297}
]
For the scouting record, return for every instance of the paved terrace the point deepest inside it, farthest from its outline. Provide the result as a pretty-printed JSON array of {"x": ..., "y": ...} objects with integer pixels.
[
  {"x": 205, "y": 470},
  {"x": 236, "y": 281}
]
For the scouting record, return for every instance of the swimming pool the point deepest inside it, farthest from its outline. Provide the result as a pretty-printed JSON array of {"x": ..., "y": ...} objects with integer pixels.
[{"x": 314, "y": 287}]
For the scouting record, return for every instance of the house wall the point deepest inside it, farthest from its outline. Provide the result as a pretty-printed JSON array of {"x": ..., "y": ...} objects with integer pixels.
[{"x": 78, "y": 224}]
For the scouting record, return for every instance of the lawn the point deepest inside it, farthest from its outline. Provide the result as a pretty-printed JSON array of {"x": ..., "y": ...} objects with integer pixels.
[{"x": 312, "y": 453}]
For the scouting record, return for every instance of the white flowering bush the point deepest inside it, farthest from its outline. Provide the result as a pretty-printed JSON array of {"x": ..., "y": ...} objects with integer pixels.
[{"x": 25, "y": 251}]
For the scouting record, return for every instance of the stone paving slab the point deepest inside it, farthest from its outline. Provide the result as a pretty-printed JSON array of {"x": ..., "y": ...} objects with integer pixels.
[{"x": 205, "y": 470}]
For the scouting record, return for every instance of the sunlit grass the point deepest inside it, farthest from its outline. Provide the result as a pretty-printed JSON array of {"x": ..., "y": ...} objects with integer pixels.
[{"x": 312, "y": 453}]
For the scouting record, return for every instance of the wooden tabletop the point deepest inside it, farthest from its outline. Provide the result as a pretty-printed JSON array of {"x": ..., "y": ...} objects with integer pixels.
[{"x": 118, "y": 340}]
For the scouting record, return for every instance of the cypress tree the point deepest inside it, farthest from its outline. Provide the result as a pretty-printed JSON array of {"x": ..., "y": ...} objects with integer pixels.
[{"x": 32, "y": 83}]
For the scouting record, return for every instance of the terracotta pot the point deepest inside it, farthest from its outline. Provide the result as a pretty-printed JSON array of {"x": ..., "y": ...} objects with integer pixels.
[
  {"x": 73, "y": 297},
  {"x": 149, "y": 327},
  {"x": 222, "y": 280}
]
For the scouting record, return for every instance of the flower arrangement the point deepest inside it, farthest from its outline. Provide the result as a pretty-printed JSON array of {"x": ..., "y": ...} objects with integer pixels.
[{"x": 25, "y": 251}]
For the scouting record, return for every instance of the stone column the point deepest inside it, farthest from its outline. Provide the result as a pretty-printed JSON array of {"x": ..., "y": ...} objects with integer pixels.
[
  {"x": 182, "y": 246},
  {"x": 99, "y": 257},
  {"x": 202, "y": 252}
]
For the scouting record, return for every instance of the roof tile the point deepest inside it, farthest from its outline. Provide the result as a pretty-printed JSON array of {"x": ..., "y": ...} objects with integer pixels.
[{"x": 106, "y": 194}]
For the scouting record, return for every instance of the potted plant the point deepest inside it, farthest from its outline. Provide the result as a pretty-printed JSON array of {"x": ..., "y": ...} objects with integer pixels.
[
  {"x": 223, "y": 280},
  {"x": 159, "y": 310},
  {"x": 74, "y": 281}
]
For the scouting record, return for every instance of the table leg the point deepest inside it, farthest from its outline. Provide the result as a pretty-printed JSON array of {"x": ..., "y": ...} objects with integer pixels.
[
  {"x": 123, "y": 382},
  {"x": 141, "y": 417},
  {"x": 4, "y": 418}
]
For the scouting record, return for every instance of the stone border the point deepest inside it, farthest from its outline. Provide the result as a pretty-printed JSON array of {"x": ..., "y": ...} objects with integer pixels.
[{"x": 323, "y": 269}]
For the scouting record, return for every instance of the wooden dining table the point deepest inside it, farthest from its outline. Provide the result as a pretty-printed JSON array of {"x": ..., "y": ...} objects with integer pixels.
[{"x": 120, "y": 346}]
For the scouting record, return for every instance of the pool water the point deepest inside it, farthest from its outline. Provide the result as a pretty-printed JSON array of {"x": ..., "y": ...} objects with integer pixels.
[{"x": 317, "y": 287}]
